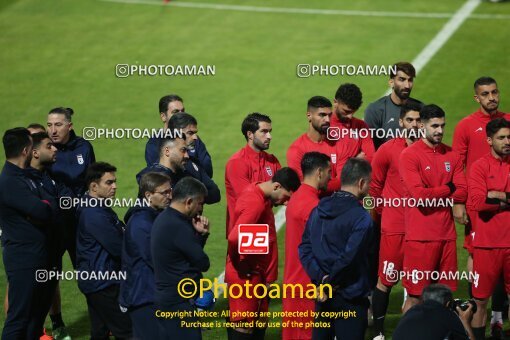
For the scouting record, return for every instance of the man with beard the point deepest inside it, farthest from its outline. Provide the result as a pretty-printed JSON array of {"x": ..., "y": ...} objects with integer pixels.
[
  {"x": 430, "y": 170},
  {"x": 470, "y": 141},
  {"x": 178, "y": 238},
  {"x": 254, "y": 206},
  {"x": 385, "y": 112},
  {"x": 386, "y": 184},
  {"x": 316, "y": 170},
  {"x": 319, "y": 111},
  {"x": 489, "y": 197},
  {"x": 173, "y": 159},
  {"x": 25, "y": 216},
  {"x": 348, "y": 99},
  {"x": 168, "y": 106},
  {"x": 252, "y": 163}
]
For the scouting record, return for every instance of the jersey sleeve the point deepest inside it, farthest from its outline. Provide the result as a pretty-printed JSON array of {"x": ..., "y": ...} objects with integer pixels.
[
  {"x": 477, "y": 183},
  {"x": 237, "y": 174},
  {"x": 460, "y": 142},
  {"x": 294, "y": 157},
  {"x": 410, "y": 173}
]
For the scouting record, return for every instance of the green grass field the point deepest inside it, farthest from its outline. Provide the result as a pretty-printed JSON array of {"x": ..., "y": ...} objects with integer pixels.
[{"x": 63, "y": 53}]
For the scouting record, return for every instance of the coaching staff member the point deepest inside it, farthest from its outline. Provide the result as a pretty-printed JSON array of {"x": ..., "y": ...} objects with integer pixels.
[
  {"x": 335, "y": 250},
  {"x": 178, "y": 237},
  {"x": 25, "y": 217},
  {"x": 434, "y": 319},
  {"x": 99, "y": 247}
]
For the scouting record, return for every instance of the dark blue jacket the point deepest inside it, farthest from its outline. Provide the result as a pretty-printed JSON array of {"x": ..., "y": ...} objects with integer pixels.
[
  {"x": 24, "y": 219},
  {"x": 336, "y": 242},
  {"x": 99, "y": 245},
  {"x": 191, "y": 169},
  {"x": 140, "y": 286},
  {"x": 73, "y": 158},
  {"x": 52, "y": 191},
  {"x": 177, "y": 253},
  {"x": 199, "y": 155}
]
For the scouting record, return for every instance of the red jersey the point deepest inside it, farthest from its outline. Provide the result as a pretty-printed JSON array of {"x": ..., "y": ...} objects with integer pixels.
[
  {"x": 387, "y": 183},
  {"x": 355, "y": 124},
  {"x": 299, "y": 207},
  {"x": 470, "y": 138},
  {"x": 244, "y": 168},
  {"x": 338, "y": 152},
  {"x": 252, "y": 207},
  {"x": 492, "y": 225},
  {"x": 425, "y": 172}
]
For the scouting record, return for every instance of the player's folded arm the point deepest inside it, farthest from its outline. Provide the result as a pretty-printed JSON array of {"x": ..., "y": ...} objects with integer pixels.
[
  {"x": 409, "y": 170},
  {"x": 106, "y": 234},
  {"x": 478, "y": 189}
]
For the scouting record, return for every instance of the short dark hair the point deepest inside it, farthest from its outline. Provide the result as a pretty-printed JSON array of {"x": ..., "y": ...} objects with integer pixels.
[
  {"x": 288, "y": 179},
  {"x": 15, "y": 140},
  {"x": 36, "y": 126},
  {"x": 437, "y": 292},
  {"x": 484, "y": 81},
  {"x": 169, "y": 140},
  {"x": 96, "y": 170},
  {"x": 317, "y": 102},
  {"x": 430, "y": 111},
  {"x": 405, "y": 67},
  {"x": 188, "y": 187},
  {"x": 495, "y": 125},
  {"x": 251, "y": 123},
  {"x": 164, "y": 101},
  {"x": 66, "y": 111},
  {"x": 312, "y": 161},
  {"x": 181, "y": 120},
  {"x": 150, "y": 181},
  {"x": 37, "y": 139},
  {"x": 354, "y": 170},
  {"x": 410, "y": 105},
  {"x": 350, "y": 95}
]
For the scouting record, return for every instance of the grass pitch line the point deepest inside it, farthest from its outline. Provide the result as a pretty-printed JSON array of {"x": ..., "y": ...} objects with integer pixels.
[
  {"x": 443, "y": 36},
  {"x": 314, "y": 11}
]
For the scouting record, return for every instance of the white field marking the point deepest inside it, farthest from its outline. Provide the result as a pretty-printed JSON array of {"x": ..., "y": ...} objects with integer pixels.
[
  {"x": 443, "y": 36},
  {"x": 227, "y": 7}
]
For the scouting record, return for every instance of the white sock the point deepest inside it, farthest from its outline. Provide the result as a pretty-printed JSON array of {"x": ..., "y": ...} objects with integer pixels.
[{"x": 497, "y": 317}]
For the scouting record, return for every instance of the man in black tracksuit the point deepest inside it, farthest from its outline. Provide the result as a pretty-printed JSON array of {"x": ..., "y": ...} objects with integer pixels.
[
  {"x": 25, "y": 217},
  {"x": 99, "y": 247},
  {"x": 178, "y": 236}
]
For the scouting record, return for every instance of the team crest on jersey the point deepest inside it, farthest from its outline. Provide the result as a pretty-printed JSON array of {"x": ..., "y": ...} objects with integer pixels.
[
  {"x": 269, "y": 171},
  {"x": 80, "y": 159},
  {"x": 333, "y": 158},
  {"x": 447, "y": 166}
]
